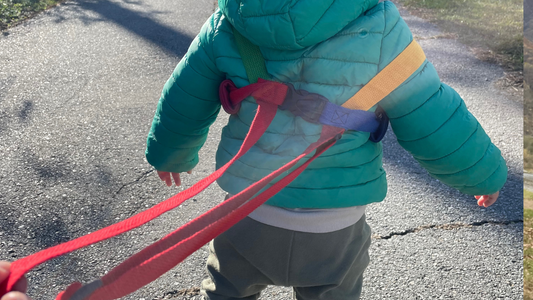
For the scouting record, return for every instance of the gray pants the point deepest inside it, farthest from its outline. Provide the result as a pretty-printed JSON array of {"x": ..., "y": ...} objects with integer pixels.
[{"x": 319, "y": 266}]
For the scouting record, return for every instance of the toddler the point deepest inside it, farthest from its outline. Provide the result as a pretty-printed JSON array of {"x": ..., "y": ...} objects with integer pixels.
[{"x": 312, "y": 235}]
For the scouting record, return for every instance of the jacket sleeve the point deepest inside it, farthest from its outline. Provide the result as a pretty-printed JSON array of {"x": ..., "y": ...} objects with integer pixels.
[
  {"x": 189, "y": 104},
  {"x": 432, "y": 123}
]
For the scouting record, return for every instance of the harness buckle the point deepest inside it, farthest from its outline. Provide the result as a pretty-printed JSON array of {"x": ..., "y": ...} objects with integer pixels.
[
  {"x": 301, "y": 103},
  {"x": 383, "y": 120}
]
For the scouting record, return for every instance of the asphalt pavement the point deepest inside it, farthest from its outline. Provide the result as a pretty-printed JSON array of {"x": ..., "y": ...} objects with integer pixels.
[{"x": 79, "y": 86}]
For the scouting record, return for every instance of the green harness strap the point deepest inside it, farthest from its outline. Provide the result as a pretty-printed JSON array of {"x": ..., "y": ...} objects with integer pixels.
[
  {"x": 253, "y": 60},
  {"x": 384, "y": 83}
]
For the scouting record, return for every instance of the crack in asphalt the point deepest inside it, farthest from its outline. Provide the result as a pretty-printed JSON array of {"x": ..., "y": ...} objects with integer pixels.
[
  {"x": 194, "y": 291},
  {"x": 445, "y": 227},
  {"x": 133, "y": 182}
]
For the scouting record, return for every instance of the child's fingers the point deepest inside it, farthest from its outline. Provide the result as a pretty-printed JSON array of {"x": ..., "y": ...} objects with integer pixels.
[
  {"x": 490, "y": 200},
  {"x": 177, "y": 178},
  {"x": 480, "y": 200},
  {"x": 165, "y": 176},
  {"x": 168, "y": 176},
  {"x": 487, "y": 200}
]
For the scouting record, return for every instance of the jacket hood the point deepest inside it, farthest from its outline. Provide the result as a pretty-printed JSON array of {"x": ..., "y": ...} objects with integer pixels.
[{"x": 291, "y": 24}]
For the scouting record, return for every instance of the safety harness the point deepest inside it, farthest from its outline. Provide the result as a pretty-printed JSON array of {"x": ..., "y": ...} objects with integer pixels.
[{"x": 158, "y": 258}]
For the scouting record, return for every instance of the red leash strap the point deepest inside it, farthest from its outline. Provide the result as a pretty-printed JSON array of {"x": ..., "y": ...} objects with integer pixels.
[
  {"x": 160, "y": 257},
  {"x": 157, "y": 259},
  {"x": 264, "y": 116}
]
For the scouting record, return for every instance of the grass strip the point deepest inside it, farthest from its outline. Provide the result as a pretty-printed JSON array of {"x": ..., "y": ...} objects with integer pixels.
[
  {"x": 528, "y": 195},
  {"x": 14, "y": 11},
  {"x": 496, "y": 25},
  {"x": 528, "y": 149}
]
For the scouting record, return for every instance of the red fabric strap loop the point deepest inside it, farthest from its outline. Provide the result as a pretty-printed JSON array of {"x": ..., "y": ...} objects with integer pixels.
[{"x": 263, "y": 90}]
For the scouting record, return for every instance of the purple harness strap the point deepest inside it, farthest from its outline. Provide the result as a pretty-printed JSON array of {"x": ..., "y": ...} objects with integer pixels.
[
  {"x": 316, "y": 108},
  {"x": 339, "y": 116}
]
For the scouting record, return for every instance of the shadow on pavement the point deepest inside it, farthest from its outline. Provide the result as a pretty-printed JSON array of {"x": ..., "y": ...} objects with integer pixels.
[
  {"x": 27, "y": 108},
  {"x": 141, "y": 24},
  {"x": 77, "y": 201},
  {"x": 50, "y": 232}
]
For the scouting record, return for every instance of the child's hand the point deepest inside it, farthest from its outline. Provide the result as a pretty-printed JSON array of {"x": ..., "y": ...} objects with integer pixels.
[
  {"x": 19, "y": 288},
  {"x": 487, "y": 200},
  {"x": 167, "y": 178}
]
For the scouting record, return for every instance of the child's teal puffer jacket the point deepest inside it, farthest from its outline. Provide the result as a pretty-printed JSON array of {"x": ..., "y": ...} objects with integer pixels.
[{"x": 333, "y": 48}]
